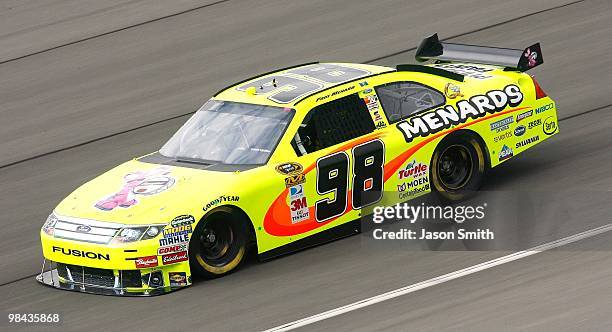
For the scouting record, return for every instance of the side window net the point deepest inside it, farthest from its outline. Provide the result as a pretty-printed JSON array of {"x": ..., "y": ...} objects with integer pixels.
[
  {"x": 399, "y": 100},
  {"x": 331, "y": 123}
]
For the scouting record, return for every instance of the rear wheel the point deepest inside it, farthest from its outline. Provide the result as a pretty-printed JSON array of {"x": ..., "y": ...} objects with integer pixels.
[
  {"x": 458, "y": 167},
  {"x": 219, "y": 244}
]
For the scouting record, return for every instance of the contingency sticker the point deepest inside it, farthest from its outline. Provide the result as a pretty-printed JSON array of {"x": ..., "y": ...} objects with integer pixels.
[
  {"x": 298, "y": 204},
  {"x": 374, "y": 109}
]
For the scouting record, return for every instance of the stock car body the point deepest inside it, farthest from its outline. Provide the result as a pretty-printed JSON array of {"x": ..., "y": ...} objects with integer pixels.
[{"x": 289, "y": 159}]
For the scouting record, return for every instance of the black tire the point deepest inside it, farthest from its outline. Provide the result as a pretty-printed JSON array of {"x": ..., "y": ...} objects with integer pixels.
[
  {"x": 458, "y": 167},
  {"x": 219, "y": 244}
]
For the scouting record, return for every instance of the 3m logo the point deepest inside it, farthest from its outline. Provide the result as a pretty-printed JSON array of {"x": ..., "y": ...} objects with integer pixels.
[{"x": 298, "y": 204}]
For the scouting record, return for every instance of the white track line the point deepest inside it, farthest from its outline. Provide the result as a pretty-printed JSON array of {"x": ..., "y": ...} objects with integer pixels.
[{"x": 440, "y": 279}]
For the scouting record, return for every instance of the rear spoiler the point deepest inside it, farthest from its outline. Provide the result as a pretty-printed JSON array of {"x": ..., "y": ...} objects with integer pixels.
[{"x": 512, "y": 59}]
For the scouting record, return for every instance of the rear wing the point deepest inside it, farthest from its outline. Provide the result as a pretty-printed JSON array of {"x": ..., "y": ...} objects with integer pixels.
[{"x": 512, "y": 59}]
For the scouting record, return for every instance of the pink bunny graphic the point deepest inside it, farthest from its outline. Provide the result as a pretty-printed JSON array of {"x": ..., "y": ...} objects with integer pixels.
[{"x": 149, "y": 182}]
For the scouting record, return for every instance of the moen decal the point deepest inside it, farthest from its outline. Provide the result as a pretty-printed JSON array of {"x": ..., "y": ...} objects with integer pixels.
[
  {"x": 549, "y": 126},
  {"x": 294, "y": 180},
  {"x": 523, "y": 116},
  {"x": 81, "y": 253},
  {"x": 445, "y": 117},
  {"x": 505, "y": 153},
  {"x": 520, "y": 130},
  {"x": 527, "y": 141},
  {"x": 544, "y": 108},
  {"x": 182, "y": 220},
  {"x": 289, "y": 168},
  {"x": 221, "y": 199}
]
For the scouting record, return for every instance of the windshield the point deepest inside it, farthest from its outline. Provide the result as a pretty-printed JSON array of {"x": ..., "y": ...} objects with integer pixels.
[{"x": 229, "y": 133}]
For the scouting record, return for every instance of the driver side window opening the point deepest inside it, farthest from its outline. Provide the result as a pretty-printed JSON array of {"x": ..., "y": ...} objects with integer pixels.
[
  {"x": 332, "y": 123},
  {"x": 400, "y": 100}
]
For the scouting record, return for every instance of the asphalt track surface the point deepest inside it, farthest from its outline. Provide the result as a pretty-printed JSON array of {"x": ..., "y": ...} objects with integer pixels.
[{"x": 85, "y": 85}]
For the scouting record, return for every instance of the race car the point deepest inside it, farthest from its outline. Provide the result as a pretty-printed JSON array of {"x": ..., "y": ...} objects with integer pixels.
[{"x": 290, "y": 159}]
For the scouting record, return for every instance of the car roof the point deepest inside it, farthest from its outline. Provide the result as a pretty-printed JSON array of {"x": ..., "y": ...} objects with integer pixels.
[{"x": 278, "y": 88}]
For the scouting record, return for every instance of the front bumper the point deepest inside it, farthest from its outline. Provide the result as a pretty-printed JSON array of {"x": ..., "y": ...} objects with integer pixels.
[{"x": 114, "y": 271}]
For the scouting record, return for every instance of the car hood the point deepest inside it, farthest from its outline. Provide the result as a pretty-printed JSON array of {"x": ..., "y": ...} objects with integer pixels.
[{"x": 142, "y": 193}]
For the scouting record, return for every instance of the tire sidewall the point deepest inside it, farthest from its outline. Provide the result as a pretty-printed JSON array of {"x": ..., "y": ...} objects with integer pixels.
[
  {"x": 479, "y": 165},
  {"x": 237, "y": 250}
]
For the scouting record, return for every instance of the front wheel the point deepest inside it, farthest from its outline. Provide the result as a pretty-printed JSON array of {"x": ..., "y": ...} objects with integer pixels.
[
  {"x": 218, "y": 245},
  {"x": 458, "y": 167}
]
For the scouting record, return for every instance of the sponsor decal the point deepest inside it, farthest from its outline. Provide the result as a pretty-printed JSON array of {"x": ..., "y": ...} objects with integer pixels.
[
  {"x": 373, "y": 108},
  {"x": 452, "y": 91},
  {"x": 534, "y": 123},
  {"x": 412, "y": 184},
  {"x": 407, "y": 190},
  {"x": 81, "y": 253},
  {"x": 520, "y": 130},
  {"x": 528, "y": 141},
  {"x": 523, "y": 115},
  {"x": 294, "y": 180},
  {"x": 174, "y": 258},
  {"x": 290, "y": 168},
  {"x": 298, "y": 204},
  {"x": 140, "y": 183},
  {"x": 477, "y": 106},
  {"x": 181, "y": 220},
  {"x": 175, "y": 235},
  {"x": 366, "y": 91},
  {"x": 501, "y": 125},
  {"x": 466, "y": 70},
  {"x": 544, "y": 108},
  {"x": 381, "y": 125},
  {"x": 146, "y": 262},
  {"x": 364, "y": 83},
  {"x": 177, "y": 279},
  {"x": 171, "y": 249},
  {"x": 221, "y": 199},
  {"x": 549, "y": 126},
  {"x": 505, "y": 153},
  {"x": 412, "y": 169},
  {"x": 502, "y": 137}
]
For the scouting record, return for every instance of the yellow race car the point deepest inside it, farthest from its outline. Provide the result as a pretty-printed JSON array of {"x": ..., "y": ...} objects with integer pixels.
[{"x": 289, "y": 159}]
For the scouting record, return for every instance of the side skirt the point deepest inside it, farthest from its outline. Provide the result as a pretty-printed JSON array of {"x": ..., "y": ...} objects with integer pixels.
[{"x": 347, "y": 229}]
